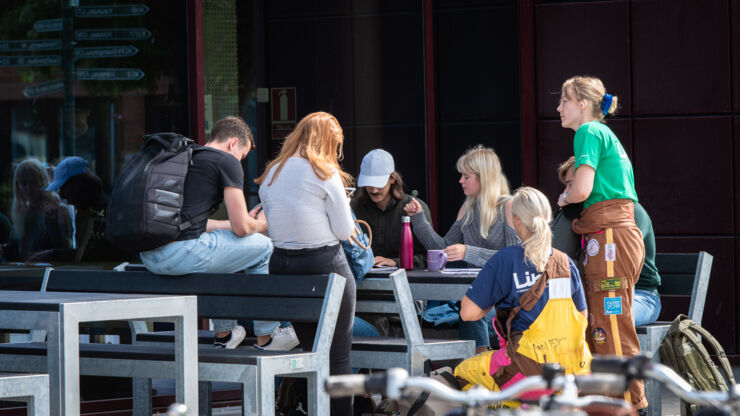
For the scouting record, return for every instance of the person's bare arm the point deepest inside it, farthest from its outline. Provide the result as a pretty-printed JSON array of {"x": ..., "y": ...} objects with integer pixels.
[
  {"x": 469, "y": 311},
  {"x": 582, "y": 186},
  {"x": 240, "y": 222}
]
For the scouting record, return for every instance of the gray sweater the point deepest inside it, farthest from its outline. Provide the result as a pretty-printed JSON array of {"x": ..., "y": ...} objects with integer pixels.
[{"x": 477, "y": 249}]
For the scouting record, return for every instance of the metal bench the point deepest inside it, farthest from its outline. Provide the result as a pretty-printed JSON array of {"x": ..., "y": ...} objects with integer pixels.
[
  {"x": 298, "y": 298},
  {"x": 685, "y": 279},
  {"x": 392, "y": 295}
]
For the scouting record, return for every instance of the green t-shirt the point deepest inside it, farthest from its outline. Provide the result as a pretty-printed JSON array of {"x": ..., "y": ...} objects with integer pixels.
[{"x": 596, "y": 145}]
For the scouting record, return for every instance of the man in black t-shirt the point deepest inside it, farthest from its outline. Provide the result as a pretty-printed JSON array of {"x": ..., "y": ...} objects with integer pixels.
[{"x": 221, "y": 246}]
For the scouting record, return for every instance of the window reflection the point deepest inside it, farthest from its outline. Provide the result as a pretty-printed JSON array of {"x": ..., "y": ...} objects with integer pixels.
[{"x": 128, "y": 62}]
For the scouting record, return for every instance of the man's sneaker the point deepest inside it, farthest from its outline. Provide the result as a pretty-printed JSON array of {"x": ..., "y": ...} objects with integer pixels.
[
  {"x": 283, "y": 339},
  {"x": 235, "y": 337}
]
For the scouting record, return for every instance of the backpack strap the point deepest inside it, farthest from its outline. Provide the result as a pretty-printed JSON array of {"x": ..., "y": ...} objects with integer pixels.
[
  {"x": 198, "y": 218},
  {"x": 689, "y": 329},
  {"x": 557, "y": 266}
]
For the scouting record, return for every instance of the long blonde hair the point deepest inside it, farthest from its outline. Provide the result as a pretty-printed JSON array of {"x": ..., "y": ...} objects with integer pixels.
[
  {"x": 534, "y": 212},
  {"x": 484, "y": 163},
  {"x": 318, "y": 137},
  {"x": 30, "y": 170},
  {"x": 590, "y": 89}
]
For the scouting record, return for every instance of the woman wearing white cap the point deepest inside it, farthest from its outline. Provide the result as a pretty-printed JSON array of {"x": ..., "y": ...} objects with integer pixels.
[{"x": 380, "y": 203}]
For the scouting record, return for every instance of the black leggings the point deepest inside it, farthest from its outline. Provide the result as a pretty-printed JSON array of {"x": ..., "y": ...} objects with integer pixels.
[{"x": 328, "y": 259}]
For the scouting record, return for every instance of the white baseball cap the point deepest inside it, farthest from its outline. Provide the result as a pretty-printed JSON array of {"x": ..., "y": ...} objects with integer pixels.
[{"x": 376, "y": 168}]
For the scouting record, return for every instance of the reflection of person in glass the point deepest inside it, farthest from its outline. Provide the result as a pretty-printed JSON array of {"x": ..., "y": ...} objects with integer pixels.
[
  {"x": 83, "y": 190},
  {"x": 82, "y": 142},
  {"x": 40, "y": 220}
]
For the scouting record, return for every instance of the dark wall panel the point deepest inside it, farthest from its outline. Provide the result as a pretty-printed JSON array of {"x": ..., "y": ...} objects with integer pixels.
[
  {"x": 555, "y": 145},
  {"x": 388, "y": 69},
  {"x": 680, "y": 59},
  {"x": 683, "y": 169},
  {"x": 589, "y": 38},
  {"x": 720, "y": 313},
  {"x": 735, "y": 50},
  {"x": 302, "y": 9},
  {"x": 454, "y": 140},
  {"x": 736, "y": 173},
  {"x": 477, "y": 58},
  {"x": 314, "y": 56}
]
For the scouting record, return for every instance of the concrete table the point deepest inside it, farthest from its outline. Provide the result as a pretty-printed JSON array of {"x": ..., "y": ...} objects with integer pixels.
[
  {"x": 427, "y": 285},
  {"x": 32, "y": 389},
  {"x": 60, "y": 313}
]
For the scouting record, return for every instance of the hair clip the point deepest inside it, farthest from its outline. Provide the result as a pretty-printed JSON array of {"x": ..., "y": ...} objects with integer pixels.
[{"x": 606, "y": 103}]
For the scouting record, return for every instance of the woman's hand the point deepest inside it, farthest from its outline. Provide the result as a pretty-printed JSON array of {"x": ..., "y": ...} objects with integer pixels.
[
  {"x": 455, "y": 252},
  {"x": 413, "y": 207},
  {"x": 381, "y": 261}
]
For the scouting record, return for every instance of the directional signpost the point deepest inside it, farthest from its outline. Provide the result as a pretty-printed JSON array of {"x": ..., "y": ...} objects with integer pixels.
[
  {"x": 112, "y": 10},
  {"x": 105, "y": 52},
  {"x": 30, "y": 45},
  {"x": 44, "y": 88},
  {"x": 136, "y": 33},
  {"x": 48, "y": 25},
  {"x": 33, "y": 60},
  {"x": 85, "y": 74},
  {"x": 108, "y": 74}
]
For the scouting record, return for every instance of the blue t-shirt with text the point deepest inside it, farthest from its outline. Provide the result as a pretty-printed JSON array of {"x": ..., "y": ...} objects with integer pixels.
[{"x": 506, "y": 276}]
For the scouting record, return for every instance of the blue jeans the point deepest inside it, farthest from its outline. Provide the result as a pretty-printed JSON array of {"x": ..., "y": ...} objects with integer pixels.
[
  {"x": 645, "y": 307},
  {"x": 363, "y": 328},
  {"x": 218, "y": 251}
]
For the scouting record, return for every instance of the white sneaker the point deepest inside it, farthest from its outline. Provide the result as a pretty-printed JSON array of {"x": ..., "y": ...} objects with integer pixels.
[
  {"x": 283, "y": 339},
  {"x": 235, "y": 338}
]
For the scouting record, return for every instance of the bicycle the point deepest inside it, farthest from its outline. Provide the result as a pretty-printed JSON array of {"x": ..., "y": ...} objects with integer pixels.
[{"x": 610, "y": 377}]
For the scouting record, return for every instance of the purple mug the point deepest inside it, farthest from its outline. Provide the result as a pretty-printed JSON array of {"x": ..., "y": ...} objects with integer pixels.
[{"x": 436, "y": 260}]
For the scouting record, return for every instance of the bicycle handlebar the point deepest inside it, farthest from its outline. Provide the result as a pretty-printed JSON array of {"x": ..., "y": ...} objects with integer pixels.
[{"x": 610, "y": 376}]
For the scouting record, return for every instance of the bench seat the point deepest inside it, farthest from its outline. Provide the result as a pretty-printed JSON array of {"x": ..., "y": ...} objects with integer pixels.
[
  {"x": 143, "y": 352},
  {"x": 296, "y": 298}
]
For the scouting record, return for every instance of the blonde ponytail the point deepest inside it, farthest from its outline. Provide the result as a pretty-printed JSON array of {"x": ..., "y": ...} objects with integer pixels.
[{"x": 532, "y": 208}]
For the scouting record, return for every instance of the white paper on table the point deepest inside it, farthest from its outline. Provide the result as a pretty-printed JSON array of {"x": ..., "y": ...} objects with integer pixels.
[
  {"x": 461, "y": 271},
  {"x": 383, "y": 269}
]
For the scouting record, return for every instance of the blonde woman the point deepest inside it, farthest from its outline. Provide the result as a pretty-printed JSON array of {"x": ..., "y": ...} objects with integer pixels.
[
  {"x": 481, "y": 227},
  {"x": 605, "y": 184},
  {"x": 41, "y": 221},
  {"x": 308, "y": 214},
  {"x": 520, "y": 281}
]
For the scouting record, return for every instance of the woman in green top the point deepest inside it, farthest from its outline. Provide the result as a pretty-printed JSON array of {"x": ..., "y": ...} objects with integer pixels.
[{"x": 605, "y": 183}]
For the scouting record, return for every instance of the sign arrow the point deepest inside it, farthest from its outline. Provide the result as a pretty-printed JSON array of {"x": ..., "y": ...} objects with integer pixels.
[
  {"x": 138, "y": 33},
  {"x": 105, "y": 52},
  {"x": 107, "y": 74},
  {"x": 112, "y": 10},
  {"x": 33, "y": 60},
  {"x": 48, "y": 25},
  {"x": 44, "y": 88},
  {"x": 30, "y": 45}
]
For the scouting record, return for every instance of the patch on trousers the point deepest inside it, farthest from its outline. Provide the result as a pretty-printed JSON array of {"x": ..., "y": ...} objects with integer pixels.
[
  {"x": 611, "y": 284},
  {"x": 599, "y": 336},
  {"x": 610, "y": 251},
  {"x": 613, "y": 306},
  {"x": 593, "y": 247}
]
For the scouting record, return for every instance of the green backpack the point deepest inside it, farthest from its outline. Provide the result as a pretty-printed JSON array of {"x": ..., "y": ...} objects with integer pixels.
[{"x": 682, "y": 350}]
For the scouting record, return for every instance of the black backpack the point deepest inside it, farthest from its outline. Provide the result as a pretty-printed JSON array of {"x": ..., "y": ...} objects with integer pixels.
[{"x": 144, "y": 210}]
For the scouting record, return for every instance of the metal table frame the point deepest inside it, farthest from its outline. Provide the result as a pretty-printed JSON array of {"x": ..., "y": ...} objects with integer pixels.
[{"x": 60, "y": 314}]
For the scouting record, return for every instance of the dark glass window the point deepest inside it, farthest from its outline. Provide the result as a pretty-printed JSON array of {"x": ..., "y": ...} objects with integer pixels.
[{"x": 88, "y": 78}]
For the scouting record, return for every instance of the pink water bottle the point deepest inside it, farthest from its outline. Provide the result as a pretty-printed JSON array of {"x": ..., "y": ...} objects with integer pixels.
[{"x": 407, "y": 245}]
